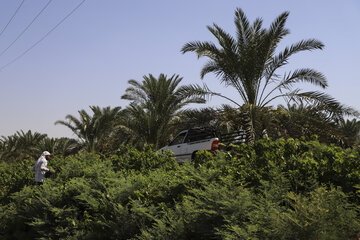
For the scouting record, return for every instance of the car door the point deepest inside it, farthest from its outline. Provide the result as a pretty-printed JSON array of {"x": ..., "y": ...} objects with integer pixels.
[{"x": 179, "y": 147}]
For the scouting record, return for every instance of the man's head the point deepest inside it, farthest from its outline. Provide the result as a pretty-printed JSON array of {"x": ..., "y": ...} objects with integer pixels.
[{"x": 46, "y": 154}]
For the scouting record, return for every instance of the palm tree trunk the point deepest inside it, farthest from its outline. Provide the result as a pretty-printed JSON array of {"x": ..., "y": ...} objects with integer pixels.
[{"x": 250, "y": 128}]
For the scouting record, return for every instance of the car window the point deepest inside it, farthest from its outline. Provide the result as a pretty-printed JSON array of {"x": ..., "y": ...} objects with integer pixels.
[
  {"x": 179, "y": 139},
  {"x": 197, "y": 135}
]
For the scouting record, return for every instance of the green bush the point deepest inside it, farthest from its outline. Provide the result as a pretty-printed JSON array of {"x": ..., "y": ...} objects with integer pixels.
[
  {"x": 306, "y": 164},
  {"x": 286, "y": 189},
  {"x": 323, "y": 214},
  {"x": 129, "y": 158},
  {"x": 14, "y": 176}
]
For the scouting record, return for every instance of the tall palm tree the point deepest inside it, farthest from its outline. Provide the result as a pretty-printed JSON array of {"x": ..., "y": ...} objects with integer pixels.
[
  {"x": 154, "y": 104},
  {"x": 93, "y": 130},
  {"x": 249, "y": 63}
]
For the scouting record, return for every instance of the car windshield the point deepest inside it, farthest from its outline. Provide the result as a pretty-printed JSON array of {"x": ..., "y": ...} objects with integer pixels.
[{"x": 178, "y": 139}]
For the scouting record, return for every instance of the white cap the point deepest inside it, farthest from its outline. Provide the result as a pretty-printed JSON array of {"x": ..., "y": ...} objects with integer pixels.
[{"x": 46, "y": 153}]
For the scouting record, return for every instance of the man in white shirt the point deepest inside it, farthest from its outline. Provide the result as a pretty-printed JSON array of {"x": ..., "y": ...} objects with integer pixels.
[{"x": 40, "y": 167}]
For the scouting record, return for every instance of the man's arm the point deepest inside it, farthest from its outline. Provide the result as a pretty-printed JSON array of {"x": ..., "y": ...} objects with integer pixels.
[{"x": 44, "y": 167}]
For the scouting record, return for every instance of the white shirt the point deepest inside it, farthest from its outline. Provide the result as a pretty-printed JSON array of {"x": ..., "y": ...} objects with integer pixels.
[{"x": 40, "y": 169}]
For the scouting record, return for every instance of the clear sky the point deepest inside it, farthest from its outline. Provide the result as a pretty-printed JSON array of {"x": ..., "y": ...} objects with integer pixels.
[{"x": 90, "y": 57}]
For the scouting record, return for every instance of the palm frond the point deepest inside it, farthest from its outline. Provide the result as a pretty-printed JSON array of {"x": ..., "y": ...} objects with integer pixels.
[
  {"x": 326, "y": 101},
  {"x": 282, "y": 58},
  {"x": 242, "y": 27},
  {"x": 225, "y": 40},
  {"x": 304, "y": 75},
  {"x": 207, "y": 49},
  {"x": 277, "y": 30}
]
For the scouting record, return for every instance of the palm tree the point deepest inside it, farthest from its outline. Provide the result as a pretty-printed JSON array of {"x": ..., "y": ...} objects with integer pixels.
[
  {"x": 93, "y": 131},
  {"x": 8, "y": 148},
  {"x": 60, "y": 146},
  {"x": 154, "y": 104},
  {"x": 223, "y": 119},
  {"x": 350, "y": 129},
  {"x": 249, "y": 63},
  {"x": 204, "y": 117},
  {"x": 137, "y": 126},
  {"x": 21, "y": 145},
  {"x": 303, "y": 120}
]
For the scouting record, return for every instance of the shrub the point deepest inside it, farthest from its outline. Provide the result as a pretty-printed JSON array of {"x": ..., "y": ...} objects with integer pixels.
[
  {"x": 129, "y": 158},
  {"x": 286, "y": 189},
  {"x": 13, "y": 177}
]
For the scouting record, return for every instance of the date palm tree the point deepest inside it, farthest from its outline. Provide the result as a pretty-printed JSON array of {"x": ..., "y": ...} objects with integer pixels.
[
  {"x": 60, "y": 146},
  {"x": 21, "y": 145},
  {"x": 303, "y": 120},
  {"x": 350, "y": 129},
  {"x": 155, "y": 102},
  {"x": 223, "y": 119},
  {"x": 93, "y": 130},
  {"x": 249, "y": 62}
]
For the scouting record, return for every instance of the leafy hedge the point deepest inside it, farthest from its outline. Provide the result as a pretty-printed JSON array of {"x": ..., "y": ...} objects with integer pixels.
[
  {"x": 286, "y": 189},
  {"x": 305, "y": 164}
]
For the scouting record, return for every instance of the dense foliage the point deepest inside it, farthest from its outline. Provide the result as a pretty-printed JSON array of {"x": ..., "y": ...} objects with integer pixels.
[{"x": 285, "y": 189}]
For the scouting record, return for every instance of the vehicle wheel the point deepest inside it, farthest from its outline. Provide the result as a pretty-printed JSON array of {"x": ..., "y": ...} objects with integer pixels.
[{"x": 193, "y": 156}]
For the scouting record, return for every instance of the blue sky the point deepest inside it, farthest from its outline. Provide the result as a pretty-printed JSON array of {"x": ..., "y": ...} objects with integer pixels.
[{"x": 90, "y": 57}]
